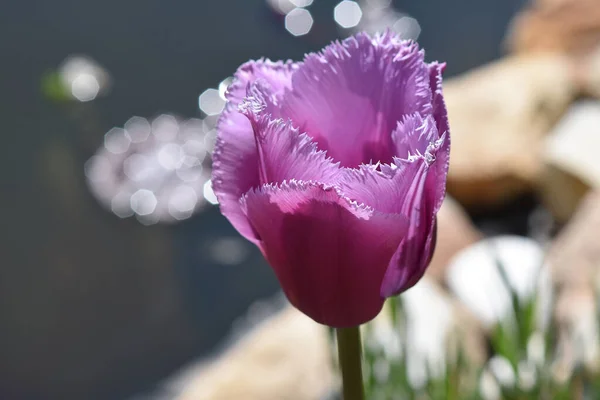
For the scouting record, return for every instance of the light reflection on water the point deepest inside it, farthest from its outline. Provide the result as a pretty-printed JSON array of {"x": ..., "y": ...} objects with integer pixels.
[
  {"x": 83, "y": 78},
  {"x": 157, "y": 171}
]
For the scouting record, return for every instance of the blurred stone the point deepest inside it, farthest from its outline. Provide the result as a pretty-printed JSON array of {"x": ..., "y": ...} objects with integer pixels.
[
  {"x": 577, "y": 334},
  {"x": 499, "y": 114},
  {"x": 574, "y": 261},
  {"x": 588, "y": 74},
  {"x": 286, "y": 357},
  {"x": 570, "y": 27},
  {"x": 572, "y": 163},
  {"x": 289, "y": 356},
  {"x": 474, "y": 276},
  {"x": 574, "y": 257},
  {"x": 565, "y": 26},
  {"x": 455, "y": 231}
]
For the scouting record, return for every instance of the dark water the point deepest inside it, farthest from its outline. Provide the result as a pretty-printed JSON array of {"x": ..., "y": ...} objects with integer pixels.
[{"x": 94, "y": 307}]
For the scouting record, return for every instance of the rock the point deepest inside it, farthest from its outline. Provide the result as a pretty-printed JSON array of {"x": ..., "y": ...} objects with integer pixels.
[
  {"x": 286, "y": 357},
  {"x": 455, "y": 231},
  {"x": 570, "y": 27},
  {"x": 574, "y": 257},
  {"x": 571, "y": 159},
  {"x": 565, "y": 26},
  {"x": 474, "y": 277},
  {"x": 577, "y": 335},
  {"x": 589, "y": 74},
  {"x": 574, "y": 262},
  {"x": 499, "y": 114},
  {"x": 289, "y": 356}
]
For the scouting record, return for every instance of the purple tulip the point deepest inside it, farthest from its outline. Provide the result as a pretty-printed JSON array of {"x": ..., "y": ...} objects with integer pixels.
[{"x": 335, "y": 167}]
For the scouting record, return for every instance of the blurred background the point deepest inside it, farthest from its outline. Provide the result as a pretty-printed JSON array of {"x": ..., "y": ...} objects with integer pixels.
[{"x": 120, "y": 279}]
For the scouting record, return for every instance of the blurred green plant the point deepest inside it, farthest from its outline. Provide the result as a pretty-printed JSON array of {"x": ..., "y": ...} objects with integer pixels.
[
  {"x": 524, "y": 361},
  {"x": 54, "y": 88}
]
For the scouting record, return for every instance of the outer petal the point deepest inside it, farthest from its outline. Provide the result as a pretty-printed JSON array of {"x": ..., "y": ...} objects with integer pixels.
[
  {"x": 328, "y": 254},
  {"x": 276, "y": 74},
  {"x": 421, "y": 204},
  {"x": 350, "y": 97},
  {"x": 414, "y": 187},
  {"x": 235, "y": 159},
  {"x": 441, "y": 117}
]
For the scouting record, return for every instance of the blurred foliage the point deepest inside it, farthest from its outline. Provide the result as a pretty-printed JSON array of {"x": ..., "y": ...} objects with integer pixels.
[
  {"x": 528, "y": 373},
  {"x": 53, "y": 87}
]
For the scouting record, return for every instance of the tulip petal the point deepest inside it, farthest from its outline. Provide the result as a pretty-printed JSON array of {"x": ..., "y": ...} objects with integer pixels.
[
  {"x": 413, "y": 186},
  {"x": 439, "y": 106},
  {"x": 350, "y": 97},
  {"x": 385, "y": 187},
  {"x": 329, "y": 254},
  {"x": 283, "y": 152},
  {"x": 382, "y": 187},
  {"x": 440, "y": 114},
  {"x": 421, "y": 204},
  {"x": 276, "y": 74},
  {"x": 235, "y": 158}
]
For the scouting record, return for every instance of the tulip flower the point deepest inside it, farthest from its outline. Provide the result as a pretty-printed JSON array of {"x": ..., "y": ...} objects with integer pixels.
[{"x": 335, "y": 167}]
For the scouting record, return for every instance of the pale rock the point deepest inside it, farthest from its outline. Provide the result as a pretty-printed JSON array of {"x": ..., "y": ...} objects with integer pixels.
[
  {"x": 455, "y": 231},
  {"x": 574, "y": 262},
  {"x": 474, "y": 277},
  {"x": 564, "y": 26},
  {"x": 578, "y": 337},
  {"x": 287, "y": 357},
  {"x": 570, "y": 27},
  {"x": 574, "y": 257},
  {"x": 588, "y": 74},
  {"x": 499, "y": 114},
  {"x": 571, "y": 159}
]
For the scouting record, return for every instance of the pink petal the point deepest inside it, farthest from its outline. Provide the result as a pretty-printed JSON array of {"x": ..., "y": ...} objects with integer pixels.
[
  {"x": 283, "y": 152},
  {"x": 443, "y": 126},
  {"x": 387, "y": 188},
  {"x": 413, "y": 136},
  {"x": 384, "y": 189},
  {"x": 421, "y": 204},
  {"x": 276, "y": 74},
  {"x": 414, "y": 187},
  {"x": 350, "y": 97},
  {"x": 328, "y": 254},
  {"x": 414, "y": 253},
  {"x": 235, "y": 159}
]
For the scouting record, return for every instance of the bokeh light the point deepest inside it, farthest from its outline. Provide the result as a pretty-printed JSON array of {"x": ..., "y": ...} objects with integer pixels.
[
  {"x": 158, "y": 171},
  {"x": 301, "y": 3},
  {"x": 223, "y": 86},
  {"x": 209, "y": 194},
  {"x": 347, "y": 14},
  {"x": 83, "y": 79},
  {"x": 407, "y": 27},
  {"x": 298, "y": 22},
  {"x": 229, "y": 250},
  {"x": 373, "y": 16},
  {"x": 281, "y": 6},
  {"x": 211, "y": 102}
]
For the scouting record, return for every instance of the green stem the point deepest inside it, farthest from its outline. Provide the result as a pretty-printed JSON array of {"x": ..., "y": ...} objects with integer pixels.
[{"x": 350, "y": 357}]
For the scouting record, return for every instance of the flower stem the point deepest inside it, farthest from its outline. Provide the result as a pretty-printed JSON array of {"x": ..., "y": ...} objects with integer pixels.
[{"x": 350, "y": 357}]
